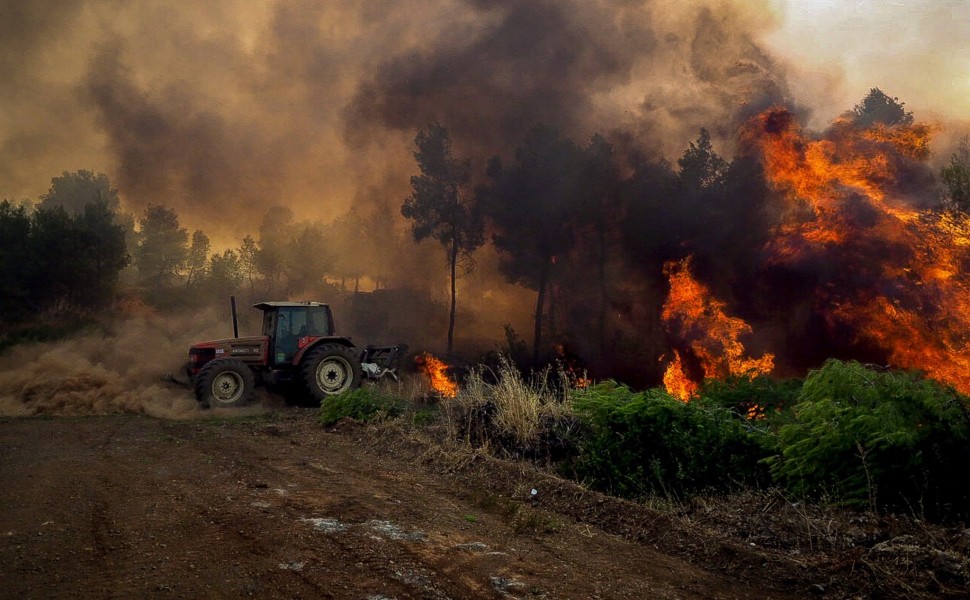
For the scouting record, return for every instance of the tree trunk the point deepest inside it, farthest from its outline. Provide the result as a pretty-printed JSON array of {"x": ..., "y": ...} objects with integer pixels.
[
  {"x": 540, "y": 302},
  {"x": 454, "y": 294},
  {"x": 601, "y": 318}
]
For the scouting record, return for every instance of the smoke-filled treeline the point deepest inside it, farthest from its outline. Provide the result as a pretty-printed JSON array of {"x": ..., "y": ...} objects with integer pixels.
[
  {"x": 75, "y": 254},
  {"x": 267, "y": 152},
  {"x": 587, "y": 227}
]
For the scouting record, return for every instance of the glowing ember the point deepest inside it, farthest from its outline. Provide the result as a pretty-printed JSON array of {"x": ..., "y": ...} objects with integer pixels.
[
  {"x": 901, "y": 287},
  {"x": 699, "y": 322},
  {"x": 571, "y": 369},
  {"x": 437, "y": 373}
]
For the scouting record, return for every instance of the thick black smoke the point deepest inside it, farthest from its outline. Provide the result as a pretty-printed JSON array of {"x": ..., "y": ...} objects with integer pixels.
[
  {"x": 525, "y": 63},
  {"x": 657, "y": 69}
]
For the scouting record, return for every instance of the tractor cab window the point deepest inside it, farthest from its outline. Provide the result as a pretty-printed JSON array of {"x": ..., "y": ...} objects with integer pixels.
[
  {"x": 317, "y": 321},
  {"x": 269, "y": 323},
  {"x": 293, "y": 323},
  {"x": 288, "y": 324}
]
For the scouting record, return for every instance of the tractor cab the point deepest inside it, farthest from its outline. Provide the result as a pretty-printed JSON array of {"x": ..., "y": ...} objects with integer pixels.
[{"x": 290, "y": 326}]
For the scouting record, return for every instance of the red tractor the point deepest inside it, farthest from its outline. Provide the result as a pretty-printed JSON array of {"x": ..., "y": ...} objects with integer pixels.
[{"x": 298, "y": 345}]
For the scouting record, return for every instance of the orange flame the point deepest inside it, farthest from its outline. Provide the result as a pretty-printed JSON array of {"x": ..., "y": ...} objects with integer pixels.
[
  {"x": 437, "y": 373},
  {"x": 698, "y": 320},
  {"x": 676, "y": 381},
  {"x": 914, "y": 301}
]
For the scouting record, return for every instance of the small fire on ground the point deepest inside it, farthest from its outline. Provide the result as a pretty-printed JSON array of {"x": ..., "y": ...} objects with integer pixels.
[
  {"x": 571, "y": 368},
  {"x": 436, "y": 371}
]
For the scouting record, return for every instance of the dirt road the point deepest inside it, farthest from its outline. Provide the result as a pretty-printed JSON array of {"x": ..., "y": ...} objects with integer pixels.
[{"x": 277, "y": 507}]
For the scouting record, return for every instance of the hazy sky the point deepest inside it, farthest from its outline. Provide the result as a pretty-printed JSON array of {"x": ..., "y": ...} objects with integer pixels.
[{"x": 916, "y": 50}]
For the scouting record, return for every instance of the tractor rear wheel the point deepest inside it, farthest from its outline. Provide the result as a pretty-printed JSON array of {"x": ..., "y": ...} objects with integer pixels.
[
  {"x": 224, "y": 382},
  {"x": 331, "y": 369}
]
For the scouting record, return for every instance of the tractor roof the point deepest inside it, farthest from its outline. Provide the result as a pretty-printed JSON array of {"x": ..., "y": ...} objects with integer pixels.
[{"x": 265, "y": 305}]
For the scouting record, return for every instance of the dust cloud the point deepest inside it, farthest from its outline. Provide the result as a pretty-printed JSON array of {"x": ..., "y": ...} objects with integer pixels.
[{"x": 117, "y": 370}]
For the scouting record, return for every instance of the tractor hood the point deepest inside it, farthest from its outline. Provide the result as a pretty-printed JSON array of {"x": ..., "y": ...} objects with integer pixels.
[
  {"x": 239, "y": 342},
  {"x": 250, "y": 349}
]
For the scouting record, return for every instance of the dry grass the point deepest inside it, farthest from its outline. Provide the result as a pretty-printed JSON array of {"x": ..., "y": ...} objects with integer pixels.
[
  {"x": 411, "y": 387},
  {"x": 505, "y": 405}
]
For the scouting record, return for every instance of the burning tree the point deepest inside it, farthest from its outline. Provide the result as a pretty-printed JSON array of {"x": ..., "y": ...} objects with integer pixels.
[
  {"x": 437, "y": 207},
  {"x": 852, "y": 198}
]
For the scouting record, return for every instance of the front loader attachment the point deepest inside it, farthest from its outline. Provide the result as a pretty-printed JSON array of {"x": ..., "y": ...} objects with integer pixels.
[{"x": 379, "y": 361}]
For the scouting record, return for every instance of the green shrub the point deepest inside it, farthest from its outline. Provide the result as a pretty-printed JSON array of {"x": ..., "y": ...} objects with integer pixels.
[
  {"x": 751, "y": 396},
  {"x": 647, "y": 443},
  {"x": 363, "y": 404},
  {"x": 877, "y": 439}
]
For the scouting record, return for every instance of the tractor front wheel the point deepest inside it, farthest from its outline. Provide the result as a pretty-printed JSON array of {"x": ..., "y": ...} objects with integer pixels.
[
  {"x": 225, "y": 382},
  {"x": 331, "y": 369}
]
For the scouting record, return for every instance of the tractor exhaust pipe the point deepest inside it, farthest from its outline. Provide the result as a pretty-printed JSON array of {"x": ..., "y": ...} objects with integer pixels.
[{"x": 235, "y": 323}]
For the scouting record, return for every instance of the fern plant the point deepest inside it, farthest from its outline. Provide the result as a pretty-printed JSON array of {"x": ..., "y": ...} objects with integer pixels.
[
  {"x": 651, "y": 443},
  {"x": 362, "y": 404},
  {"x": 876, "y": 439}
]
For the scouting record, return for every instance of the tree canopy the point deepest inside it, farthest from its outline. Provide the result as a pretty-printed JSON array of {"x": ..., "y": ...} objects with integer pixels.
[
  {"x": 74, "y": 191},
  {"x": 162, "y": 247},
  {"x": 956, "y": 177},
  {"x": 51, "y": 257},
  {"x": 701, "y": 168},
  {"x": 531, "y": 205},
  {"x": 877, "y": 107}
]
